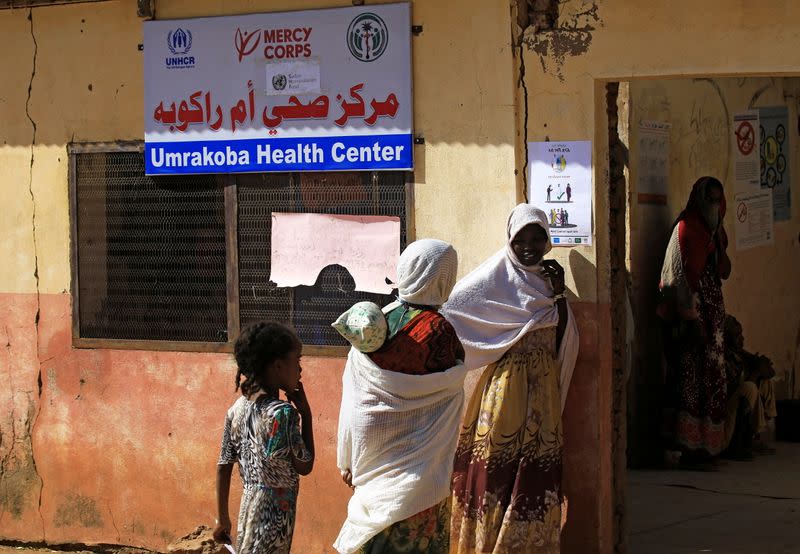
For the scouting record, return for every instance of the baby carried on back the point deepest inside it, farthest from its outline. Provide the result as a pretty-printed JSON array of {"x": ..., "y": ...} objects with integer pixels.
[{"x": 401, "y": 405}]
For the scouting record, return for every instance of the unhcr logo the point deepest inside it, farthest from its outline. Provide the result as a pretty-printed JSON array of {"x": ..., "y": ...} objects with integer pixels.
[{"x": 179, "y": 43}]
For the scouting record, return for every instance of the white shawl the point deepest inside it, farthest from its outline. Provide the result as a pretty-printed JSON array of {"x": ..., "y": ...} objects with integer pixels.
[
  {"x": 502, "y": 300},
  {"x": 397, "y": 435},
  {"x": 426, "y": 272}
]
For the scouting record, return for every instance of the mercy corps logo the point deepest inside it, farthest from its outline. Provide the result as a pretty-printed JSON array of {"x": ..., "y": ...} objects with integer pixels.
[
  {"x": 279, "y": 44},
  {"x": 179, "y": 43}
]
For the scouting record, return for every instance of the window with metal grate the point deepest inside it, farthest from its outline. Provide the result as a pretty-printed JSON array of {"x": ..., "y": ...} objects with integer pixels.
[
  {"x": 181, "y": 261},
  {"x": 309, "y": 309},
  {"x": 150, "y": 252}
]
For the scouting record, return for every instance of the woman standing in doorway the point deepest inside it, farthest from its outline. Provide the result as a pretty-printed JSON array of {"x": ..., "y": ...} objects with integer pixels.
[
  {"x": 512, "y": 313},
  {"x": 692, "y": 307}
]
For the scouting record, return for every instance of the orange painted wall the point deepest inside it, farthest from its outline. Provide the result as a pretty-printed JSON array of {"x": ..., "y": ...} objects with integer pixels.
[
  {"x": 19, "y": 403},
  {"x": 125, "y": 442},
  {"x": 587, "y": 429}
]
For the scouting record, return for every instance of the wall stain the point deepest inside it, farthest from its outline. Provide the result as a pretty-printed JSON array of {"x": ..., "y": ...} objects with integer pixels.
[
  {"x": 77, "y": 509},
  {"x": 570, "y": 36},
  {"x": 711, "y": 134},
  {"x": 757, "y": 94},
  {"x": 18, "y": 477}
]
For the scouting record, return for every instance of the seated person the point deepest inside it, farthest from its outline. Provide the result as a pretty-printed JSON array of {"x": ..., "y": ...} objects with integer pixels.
[{"x": 751, "y": 398}]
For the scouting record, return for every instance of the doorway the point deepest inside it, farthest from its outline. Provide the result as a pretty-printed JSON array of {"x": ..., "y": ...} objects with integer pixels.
[{"x": 663, "y": 135}]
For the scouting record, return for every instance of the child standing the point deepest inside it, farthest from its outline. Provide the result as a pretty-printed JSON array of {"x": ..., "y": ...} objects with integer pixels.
[{"x": 263, "y": 434}]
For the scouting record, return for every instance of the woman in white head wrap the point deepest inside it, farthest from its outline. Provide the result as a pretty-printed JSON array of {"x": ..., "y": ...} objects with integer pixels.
[
  {"x": 511, "y": 313},
  {"x": 400, "y": 413}
]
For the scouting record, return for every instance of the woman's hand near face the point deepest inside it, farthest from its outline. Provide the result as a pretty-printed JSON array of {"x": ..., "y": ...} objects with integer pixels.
[{"x": 554, "y": 272}]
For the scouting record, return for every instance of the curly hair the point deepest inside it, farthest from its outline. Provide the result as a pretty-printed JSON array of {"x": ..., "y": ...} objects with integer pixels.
[{"x": 258, "y": 345}]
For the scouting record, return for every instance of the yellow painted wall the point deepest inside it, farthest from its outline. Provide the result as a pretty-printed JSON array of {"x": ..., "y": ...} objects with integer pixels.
[
  {"x": 16, "y": 248},
  {"x": 762, "y": 291},
  {"x": 95, "y": 45},
  {"x": 614, "y": 40},
  {"x": 88, "y": 87}
]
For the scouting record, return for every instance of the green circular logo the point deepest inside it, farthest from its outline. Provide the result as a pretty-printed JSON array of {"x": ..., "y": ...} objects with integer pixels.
[{"x": 367, "y": 37}]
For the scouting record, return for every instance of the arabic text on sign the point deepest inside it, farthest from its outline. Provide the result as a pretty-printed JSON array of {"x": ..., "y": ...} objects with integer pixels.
[{"x": 244, "y": 111}]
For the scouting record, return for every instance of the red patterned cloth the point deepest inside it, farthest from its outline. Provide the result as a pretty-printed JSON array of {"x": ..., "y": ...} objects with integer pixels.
[
  {"x": 426, "y": 344},
  {"x": 693, "y": 245}
]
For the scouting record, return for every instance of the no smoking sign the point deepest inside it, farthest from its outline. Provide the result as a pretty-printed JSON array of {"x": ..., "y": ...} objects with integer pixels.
[{"x": 745, "y": 137}]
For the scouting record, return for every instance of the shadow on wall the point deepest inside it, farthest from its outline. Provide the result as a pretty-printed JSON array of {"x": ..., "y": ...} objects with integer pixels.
[
  {"x": 645, "y": 382},
  {"x": 580, "y": 266}
]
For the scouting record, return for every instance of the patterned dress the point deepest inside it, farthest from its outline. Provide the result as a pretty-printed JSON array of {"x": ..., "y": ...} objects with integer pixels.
[
  {"x": 507, "y": 475},
  {"x": 262, "y": 435},
  {"x": 697, "y": 381}
]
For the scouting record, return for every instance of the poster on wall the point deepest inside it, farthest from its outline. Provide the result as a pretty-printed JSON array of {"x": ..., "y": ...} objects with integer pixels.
[
  {"x": 304, "y": 244},
  {"x": 775, "y": 156},
  {"x": 744, "y": 142},
  {"x": 652, "y": 182},
  {"x": 316, "y": 90},
  {"x": 560, "y": 183},
  {"x": 754, "y": 223}
]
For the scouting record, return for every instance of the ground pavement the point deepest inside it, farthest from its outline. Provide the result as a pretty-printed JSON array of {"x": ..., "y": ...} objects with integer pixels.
[{"x": 746, "y": 507}]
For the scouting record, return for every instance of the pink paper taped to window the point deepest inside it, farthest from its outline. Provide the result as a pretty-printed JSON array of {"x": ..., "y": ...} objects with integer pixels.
[{"x": 304, "y": 244}]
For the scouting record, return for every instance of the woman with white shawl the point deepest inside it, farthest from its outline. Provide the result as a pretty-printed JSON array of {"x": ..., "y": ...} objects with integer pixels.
[
  {"x": 511, "y": 313},
  {"x": 400, "y": 414}
]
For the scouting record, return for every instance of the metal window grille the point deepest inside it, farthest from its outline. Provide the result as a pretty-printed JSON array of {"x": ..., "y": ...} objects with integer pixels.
[
  {"x": 309, "y": 309},
  {"x": 150, "y": 252},
  {"x": 151, "y": 261}
]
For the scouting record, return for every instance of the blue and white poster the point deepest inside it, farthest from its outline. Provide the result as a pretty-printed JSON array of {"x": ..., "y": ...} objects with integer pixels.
[
  {"x": 560, "y": 183},
  {"x": 775, "y": 156},
  {"x": 317, "y": 90}
]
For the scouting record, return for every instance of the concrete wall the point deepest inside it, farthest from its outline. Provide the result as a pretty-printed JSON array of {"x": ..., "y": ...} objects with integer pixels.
[{"x": 120, "y": 446}]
